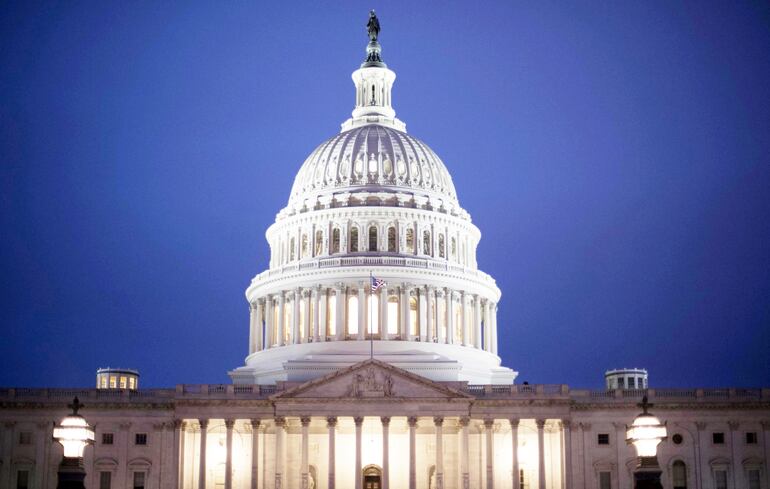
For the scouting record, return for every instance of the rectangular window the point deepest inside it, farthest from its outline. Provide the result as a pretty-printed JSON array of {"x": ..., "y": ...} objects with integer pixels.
[
  {"x": 753, "y": 479},
  {"x": 138, "y": 480},
  {"x": 140, "y": 439},
  {"x": 131, "y": 383},
  {"x": 603, "y": 439},
  {"x": 113, "y": 382},
  {"x": 751, "y": 438},
  {"x": 105, "y": 480},
  {"x": 621, "y": 383},
  {"x": 123, "y": 384},
  {"x": 718, "y": 438},
  {"x": 107, "y": 438},
  {"x": 632, "y": 382},
  {"x": 720, "y": 479},
  {"x": 22, "y": 479},
  {"x": 605, "y": 480},
  {"x": 25, "y": 438}
]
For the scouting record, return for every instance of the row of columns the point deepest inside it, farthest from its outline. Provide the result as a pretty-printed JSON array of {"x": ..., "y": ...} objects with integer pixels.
[
  {"x": 331, "y": 424},
  {"x": 477, "y": 326}
]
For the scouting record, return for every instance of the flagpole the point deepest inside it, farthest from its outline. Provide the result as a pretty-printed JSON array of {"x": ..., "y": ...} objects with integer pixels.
[{"x": 371, "y": 330}]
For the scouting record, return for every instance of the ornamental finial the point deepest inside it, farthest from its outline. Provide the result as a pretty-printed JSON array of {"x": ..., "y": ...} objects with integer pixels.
[
  {"x": 645, "y": 405},
  {"x": 75, "y": 406}
]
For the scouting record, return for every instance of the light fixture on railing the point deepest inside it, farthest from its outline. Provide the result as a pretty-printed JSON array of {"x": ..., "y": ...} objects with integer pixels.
[
  {"x": 74, "y": 434},
  {"x": 645, "y": 434}
]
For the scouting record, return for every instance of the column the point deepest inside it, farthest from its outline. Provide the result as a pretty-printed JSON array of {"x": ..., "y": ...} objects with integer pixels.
[
  {"x": 515, "y": 452},
  {"x": 766, "y": 440},
  {"x": 260, "y": 321},
  {"x": 699, "y": 426},
  {"x": 385, "y": 452},
  {"x": 323, "y": 292},
  {"x": 180, "y": 427},
  {"x": 477, "y": 322},
  {"x": 384, "y": 333},
  {"x": 733, "y": 425},
  {"x": 404, "y": 316},
  {"x": 489, "y": 428},
  {"x": 229, "y": 454},
  {"x": 422, "y": 313},
  {"x": 359, "y": 421},
  {"x": 294, "y": 337},
  {"x": 566, "y": 426},
  {"x": 307, "y": 327},
  {"x": 331, "y": 424},
  {"x": 412, "y": 421},
  {"x": 487, "y": 326},
  {"x": 279, "y": 428},
  {"x": 438, "y": 421},
  {"x": 450, "y": 317},
  {"x": 363, "y": 323},
  {"x": 269, "y": 317},
  {"x": 316, "y": 314},
  {"x": 252, "y": 327},
  {"x": 464, "y": 314},
  {"x": 430, "y": 327},
  {"x": 493, "y": 332},
  {"x": 254, "y": 453},
  {"x": 339, "y": 313},
  {"x": 540, "y": 454},
  {"x": 464, "y": 454},
  {"x": 280, "y": 323},
  {"x": 304, "y": 478},
  {"x": 204, "y": 423}
]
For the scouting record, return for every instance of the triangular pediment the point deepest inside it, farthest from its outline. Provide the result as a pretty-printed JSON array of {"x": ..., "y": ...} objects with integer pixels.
[{"x": 372, "y": 379}]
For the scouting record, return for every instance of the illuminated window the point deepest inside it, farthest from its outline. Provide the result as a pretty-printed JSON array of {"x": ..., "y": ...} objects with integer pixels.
[
  {"x": 335, "y": 240},
  {"x": 393, "y": 314},
  {"x": 291, "y": 249},
  {"x": 113, "y": 382},
  {"x": 458, "y": 312},
  {"x": 372, "y": 238},
  {"x": 304, "y": 246},
  {"x": 441, "y": 252},
  {"x": 353, "y": 239},
  {"x": 352, "y": 315},
  {"x": 374, "y": 316},
  {"x": 319, "y": 235},
  {"x": 413, "y": 316},
  {"x": 679, "y": 475},
  {"x": 392, "y": 239},
  {"x": 132, "y": 383},
  {"x": 301, "y": 324},
  {"x": 286, "y": 329},
  {"x": 441, "y": 319},
  {"x": 311, "y": 320},
  {"x": 331, "y": 318},
  {"x": 103, "y": 381},
  {"x": 410, "y": 241},
  {"x": 123, "y": 382}
]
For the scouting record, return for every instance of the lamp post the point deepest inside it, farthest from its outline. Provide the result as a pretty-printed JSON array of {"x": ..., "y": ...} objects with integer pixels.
[
  {"x": 74, "y": 434},
  {"x": 645, "y": 434}
]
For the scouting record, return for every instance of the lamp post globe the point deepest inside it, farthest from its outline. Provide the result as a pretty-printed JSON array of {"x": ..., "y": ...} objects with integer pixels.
[
  {"x": 74, "y": 433},
  {"x": 645, "y": 434}
]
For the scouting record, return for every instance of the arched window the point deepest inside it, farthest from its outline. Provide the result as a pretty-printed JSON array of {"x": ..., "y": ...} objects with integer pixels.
[
  {"x": 441, "y": 252},
  {"x": 410, "y": 241},
  {"x": 372, "y": 238},
  {"x": 454, "y": 248},
  {"x": 352, "y": 315},
  {"x": 319, "y": 236},
  {"x": 353, "y": 239},
  {"x": 426, "y": 243},
  {"x": 303, "y": 253},
  {"x": 679, "y": 475},
  {"x": 336, "y": 240},
  {"x": 392, "y": 239},
  {"x": 292, "y": 249}
]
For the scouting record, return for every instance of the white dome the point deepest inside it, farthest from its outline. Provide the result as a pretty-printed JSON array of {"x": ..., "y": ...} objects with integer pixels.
[{"x": 370, "y": 158}]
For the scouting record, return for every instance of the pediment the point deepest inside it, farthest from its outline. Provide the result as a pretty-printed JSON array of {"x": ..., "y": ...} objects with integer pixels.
[{"x": 372, "y": 379}]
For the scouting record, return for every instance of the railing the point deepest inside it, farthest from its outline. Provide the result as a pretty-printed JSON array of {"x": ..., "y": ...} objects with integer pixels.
[{"x": 560, "y": 392}]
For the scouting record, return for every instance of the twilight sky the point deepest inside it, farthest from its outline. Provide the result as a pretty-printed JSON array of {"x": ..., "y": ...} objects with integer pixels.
[{"x": 615, "y": 155}]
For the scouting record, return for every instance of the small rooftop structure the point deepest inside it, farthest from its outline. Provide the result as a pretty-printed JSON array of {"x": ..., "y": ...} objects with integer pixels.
[
  {"x": 117, "y": 378},
  {"x": 626, "y": 378}
]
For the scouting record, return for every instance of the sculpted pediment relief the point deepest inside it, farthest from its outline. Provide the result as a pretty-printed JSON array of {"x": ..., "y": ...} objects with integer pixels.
[{"x": 371, "y": 379}]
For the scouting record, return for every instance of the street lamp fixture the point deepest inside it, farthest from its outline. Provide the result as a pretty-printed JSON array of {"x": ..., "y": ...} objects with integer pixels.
[
  {"x": 645, "y": 434},
  {"x": 74, "y": 434}
]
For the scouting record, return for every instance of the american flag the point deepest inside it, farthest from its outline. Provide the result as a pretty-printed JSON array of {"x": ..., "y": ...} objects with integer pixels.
[{"x": 377, "y": 283}]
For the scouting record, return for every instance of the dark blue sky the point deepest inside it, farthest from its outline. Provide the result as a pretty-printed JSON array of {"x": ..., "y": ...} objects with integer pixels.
[{"x": 615, "y": 155}]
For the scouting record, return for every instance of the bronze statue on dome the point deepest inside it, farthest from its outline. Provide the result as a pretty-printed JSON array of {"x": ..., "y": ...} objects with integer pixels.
[{"x": 373, "y": 26}]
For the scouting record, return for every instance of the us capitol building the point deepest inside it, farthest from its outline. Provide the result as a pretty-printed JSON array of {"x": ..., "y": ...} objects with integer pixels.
[{"x": 373, "y": 362}]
